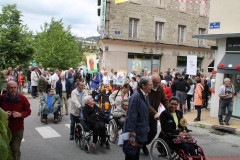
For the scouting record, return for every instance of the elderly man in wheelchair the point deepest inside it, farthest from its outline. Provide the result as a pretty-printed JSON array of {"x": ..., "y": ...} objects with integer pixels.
[
  {"x": 94, "y": 116},
  {"x": 174, "y": 140},
  {"x": 50, "y": 103}
]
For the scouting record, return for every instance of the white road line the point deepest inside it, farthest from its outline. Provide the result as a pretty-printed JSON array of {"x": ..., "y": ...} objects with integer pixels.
[
  {"x": 68, "y": 125},
  {"x": 23, "y": 140},
  {"x": 47, "y": 132}
]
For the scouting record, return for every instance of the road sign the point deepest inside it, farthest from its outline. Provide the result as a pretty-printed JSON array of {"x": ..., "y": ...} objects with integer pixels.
[
  {"x": 214, "y": 25},
  {"x": 117, "y": 32}
]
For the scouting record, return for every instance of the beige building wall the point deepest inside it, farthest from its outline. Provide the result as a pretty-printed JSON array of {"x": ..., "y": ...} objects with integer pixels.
[
  {"x": 148, "y": 13},
  {"x": 227, "y": 13}
]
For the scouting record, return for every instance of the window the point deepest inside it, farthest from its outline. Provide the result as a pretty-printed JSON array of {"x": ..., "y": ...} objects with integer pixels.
[
  {"x": 159, "y": 31},
  {"x": 201, "y": 31},
  {"x": 160, "y": 3},
  {"x": 181, "y": 30},
  {"x": 133, "y": 24}
]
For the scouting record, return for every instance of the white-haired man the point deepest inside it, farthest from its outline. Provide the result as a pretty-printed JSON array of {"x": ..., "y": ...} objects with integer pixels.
[
  {"x": 77, "y": 104},
  {"x": 226, "y": 94}
]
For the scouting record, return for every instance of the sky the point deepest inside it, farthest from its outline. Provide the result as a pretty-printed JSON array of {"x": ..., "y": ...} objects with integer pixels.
[{"x": 80, "y": 14}]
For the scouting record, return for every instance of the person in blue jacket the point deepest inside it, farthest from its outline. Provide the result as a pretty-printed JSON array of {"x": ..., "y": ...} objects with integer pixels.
[{"x": 137, "y": 118}]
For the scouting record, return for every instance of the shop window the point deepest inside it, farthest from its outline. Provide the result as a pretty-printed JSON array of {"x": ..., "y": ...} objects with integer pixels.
[
  {"x": 156, "y": 57},
  {"x": 133, "y": 27},
  {"x": 148, "y": 57},
  {"x": 201, "y": 31},
  {"x": 159, "y": 31},
  {"x": 181, "y": 30},
  {"x": 140, "y": 56},
  {"x": 130, "y": 56}
]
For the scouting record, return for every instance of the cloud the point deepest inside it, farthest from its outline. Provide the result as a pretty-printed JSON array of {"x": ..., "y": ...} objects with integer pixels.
[{"x": 80, "y": 14}]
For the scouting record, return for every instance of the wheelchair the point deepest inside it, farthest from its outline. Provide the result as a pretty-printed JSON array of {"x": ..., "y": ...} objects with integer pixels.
[
  {"x": 163, "y": 148},
  {"x": 59, "y": 114},
  {"x": 113, "y": 128},
  {"x": 83, "y": 134}
]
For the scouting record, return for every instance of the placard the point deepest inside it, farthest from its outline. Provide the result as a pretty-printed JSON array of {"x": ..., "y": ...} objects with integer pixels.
[{"x": 191, "y": 65}]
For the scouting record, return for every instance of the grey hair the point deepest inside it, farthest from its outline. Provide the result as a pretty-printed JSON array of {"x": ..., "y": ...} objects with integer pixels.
[
  {"x": 225, "y": 79},
  {"x": 123, "y": 101},
  {"x": 143, "y": 81},
  {"x": 87, "y": 98}
]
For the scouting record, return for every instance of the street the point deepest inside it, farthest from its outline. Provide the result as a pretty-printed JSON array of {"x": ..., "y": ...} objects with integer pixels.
[{"x": 51, "y": 141}]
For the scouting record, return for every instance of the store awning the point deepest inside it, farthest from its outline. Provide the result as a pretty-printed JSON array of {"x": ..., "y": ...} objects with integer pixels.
[
  {"x": 211, "y": 66},
  {"x": 216, "y": 36},
  {"x": 230, "y": 60}
]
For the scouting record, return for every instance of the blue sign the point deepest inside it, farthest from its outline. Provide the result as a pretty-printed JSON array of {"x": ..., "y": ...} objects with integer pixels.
[
  {"x": 214, "y": 25},
  {"x": 117, "y": 32}
]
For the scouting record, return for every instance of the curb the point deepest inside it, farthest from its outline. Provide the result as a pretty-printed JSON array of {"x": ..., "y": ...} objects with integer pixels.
[{"x": 210, "y": 126}]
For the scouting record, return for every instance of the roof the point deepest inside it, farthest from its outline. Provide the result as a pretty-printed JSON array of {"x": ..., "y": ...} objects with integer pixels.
[{"x": 216, "y": 36}]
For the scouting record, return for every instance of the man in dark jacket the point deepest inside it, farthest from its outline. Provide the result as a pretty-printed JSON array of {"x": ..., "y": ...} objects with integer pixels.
[
  {"x": 137, "y": 118},
  {"x": 180, "y": 87},
  {"x": 63, "y": 89},
  {"x": 88, "y": 76},
  {"x": 156, "y": 96}
]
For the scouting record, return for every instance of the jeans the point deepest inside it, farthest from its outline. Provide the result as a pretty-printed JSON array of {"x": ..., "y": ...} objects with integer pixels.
[
  {"x": 189, "y": 97},
  {"x": 74, "y": 120},
  {"x": 15, "y": 144},
  {"x": 29, "y": 86},
  {"x": 205, "y": 103},
  {"x": 199, "y": 110},
  {"x": 223, "y": 103},
  {"x": 100, "y": 131},
  {"x": 34, "y": 91}
]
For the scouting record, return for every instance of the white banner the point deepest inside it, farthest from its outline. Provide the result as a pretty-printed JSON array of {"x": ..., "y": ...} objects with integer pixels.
[{"x": 191, "y": 65}]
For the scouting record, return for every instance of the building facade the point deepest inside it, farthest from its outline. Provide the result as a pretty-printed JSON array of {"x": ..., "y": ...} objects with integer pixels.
[
  {"x": 224, "y": 28},
  {"x": 154, "y": 34}
]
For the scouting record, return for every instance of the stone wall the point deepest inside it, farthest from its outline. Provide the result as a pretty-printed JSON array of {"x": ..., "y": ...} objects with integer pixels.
[{"x": 147, "y": 11}]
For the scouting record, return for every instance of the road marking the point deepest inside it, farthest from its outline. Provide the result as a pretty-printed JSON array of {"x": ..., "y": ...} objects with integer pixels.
[
  {"x": 23, "y": 140},
  {"x": 68, "y": 125},
  {"x": 47, "y": 132}
]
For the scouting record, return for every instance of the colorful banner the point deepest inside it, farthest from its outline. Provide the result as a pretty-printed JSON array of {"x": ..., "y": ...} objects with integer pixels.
[
  {"x": 120, "y": 1},
  {"x": 121, "y": 74},
  {"x": 91, "y": 63},
  {"x": 137, "y": 65},
  {"x": 191, "y": 65}
]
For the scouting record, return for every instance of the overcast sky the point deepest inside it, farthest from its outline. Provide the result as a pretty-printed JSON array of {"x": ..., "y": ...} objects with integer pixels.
[{"x": 80, "y": 14}]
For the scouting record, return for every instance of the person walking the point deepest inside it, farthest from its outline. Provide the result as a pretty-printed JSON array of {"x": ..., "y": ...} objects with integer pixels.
[
  {"x": 34, "y": 79},
  {"x": 206, "y": 91},
  {"x": 29, "y": 78},
  {"x": 156, "y": 96},
  {"x": 77, "y": 104},
  {"x": 190, "y": 93},
  {"x": 226, "y": 94},
  {"x": 198, "y": 101},
  {"x": 137, "y": 118},
  {"x": 63, "y": 89},
  {"x": 17, "y": 107}
]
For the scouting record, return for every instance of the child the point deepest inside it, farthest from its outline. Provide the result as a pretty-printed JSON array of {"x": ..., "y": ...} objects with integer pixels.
[
  {"x": 120, "y": 112},
  {"x": 104, "y": 98},
  {"x": 20, "y": 81}
]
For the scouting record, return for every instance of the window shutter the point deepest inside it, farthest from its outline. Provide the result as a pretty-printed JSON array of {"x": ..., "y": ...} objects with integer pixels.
[
  {"x": 130, "y": 28},
  {"x": 135, "y": 28},
  {"x": 156, "y": 31},
  {"x": 160, "y": 31}
]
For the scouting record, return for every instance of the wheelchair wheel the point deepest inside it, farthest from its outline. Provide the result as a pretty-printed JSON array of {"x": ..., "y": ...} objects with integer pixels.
[
  {"x": 112, "y": 131},
  {"x": 180, "y": 155},
  {"x": 200, "y": 152},
  {"x": 59, "y": 115},
  {"x": 160, "y": 150},
  {"x": 79, "y": 136}
]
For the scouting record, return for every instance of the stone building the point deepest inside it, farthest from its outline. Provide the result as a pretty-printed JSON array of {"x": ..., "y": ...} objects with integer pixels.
[{"x": 154, "y": 34}]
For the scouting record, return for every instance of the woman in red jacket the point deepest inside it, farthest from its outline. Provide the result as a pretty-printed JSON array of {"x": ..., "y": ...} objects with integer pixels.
[{"x": 166, "y": 89}]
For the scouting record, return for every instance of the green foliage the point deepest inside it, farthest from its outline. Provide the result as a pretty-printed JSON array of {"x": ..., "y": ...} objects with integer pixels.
[
  {"x": 56, "y": 46},
  {"x": 202, "y": 126},
  {"x": 16, "y": 41},
  {"x": 5, "y": 137}
]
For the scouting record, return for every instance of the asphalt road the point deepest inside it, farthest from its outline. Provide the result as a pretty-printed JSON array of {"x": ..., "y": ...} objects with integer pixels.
[{"x": 37, "y": 147}]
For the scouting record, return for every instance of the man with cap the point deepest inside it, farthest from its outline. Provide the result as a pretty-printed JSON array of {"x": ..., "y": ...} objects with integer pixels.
[{"x": 180, "y": 87}]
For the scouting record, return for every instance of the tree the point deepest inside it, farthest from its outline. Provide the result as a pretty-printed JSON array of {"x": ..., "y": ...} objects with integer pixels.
[
  {"x": 56, "y": 46},
  {"x": 16, "y": 41}
]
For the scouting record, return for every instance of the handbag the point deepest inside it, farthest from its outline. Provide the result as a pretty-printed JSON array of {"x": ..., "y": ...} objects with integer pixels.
[
  {"x": 184, "y": 139},
  {"x": 130, "y": 148}
]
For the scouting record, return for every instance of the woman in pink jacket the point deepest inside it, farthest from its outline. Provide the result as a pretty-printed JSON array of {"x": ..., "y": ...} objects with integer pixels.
[{"x": 198, "y": 101}]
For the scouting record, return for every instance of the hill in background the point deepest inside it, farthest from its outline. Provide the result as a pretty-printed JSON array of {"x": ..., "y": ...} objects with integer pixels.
[{"x": 96, "y": 38}]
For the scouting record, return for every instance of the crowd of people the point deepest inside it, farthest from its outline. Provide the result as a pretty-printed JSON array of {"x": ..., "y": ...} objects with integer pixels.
[{"x": 134, "y": 102}]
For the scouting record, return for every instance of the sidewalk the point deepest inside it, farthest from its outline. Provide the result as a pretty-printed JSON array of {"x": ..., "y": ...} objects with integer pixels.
[{"x": 210, "y": 122}]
